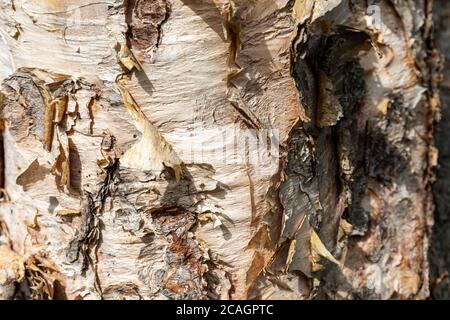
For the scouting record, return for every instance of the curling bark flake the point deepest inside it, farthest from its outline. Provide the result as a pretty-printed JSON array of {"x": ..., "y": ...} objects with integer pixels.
[{"x": 103, "y": 195}]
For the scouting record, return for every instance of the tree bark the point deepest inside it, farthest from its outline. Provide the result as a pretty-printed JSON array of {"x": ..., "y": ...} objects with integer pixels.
[
  {"x": 226, "y": 149},
  {"x": 439, "y": 256}
]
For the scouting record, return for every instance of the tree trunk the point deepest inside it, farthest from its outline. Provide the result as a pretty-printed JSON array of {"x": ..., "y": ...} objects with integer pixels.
[
  {"x": 440, "y": 245},
  {"x": 233, "y": 149}
]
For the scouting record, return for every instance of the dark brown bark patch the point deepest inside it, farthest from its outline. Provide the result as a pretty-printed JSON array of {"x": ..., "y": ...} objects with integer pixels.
[
  {"x": 145, "y": 19},
  {"x": 440, "y": 244}
]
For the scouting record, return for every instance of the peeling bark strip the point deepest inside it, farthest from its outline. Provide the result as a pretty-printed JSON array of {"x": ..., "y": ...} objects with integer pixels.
[{"x": 101, "y": 173}]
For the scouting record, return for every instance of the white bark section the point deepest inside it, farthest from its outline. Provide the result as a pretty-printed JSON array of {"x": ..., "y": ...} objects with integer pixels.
[{"x": 185, "y": 87}]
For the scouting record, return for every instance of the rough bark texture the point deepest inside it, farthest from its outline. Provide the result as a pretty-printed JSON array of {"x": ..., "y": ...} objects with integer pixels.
[
  {"x": 103, "y": 102},
  {"x": 439, "y": 251}
]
